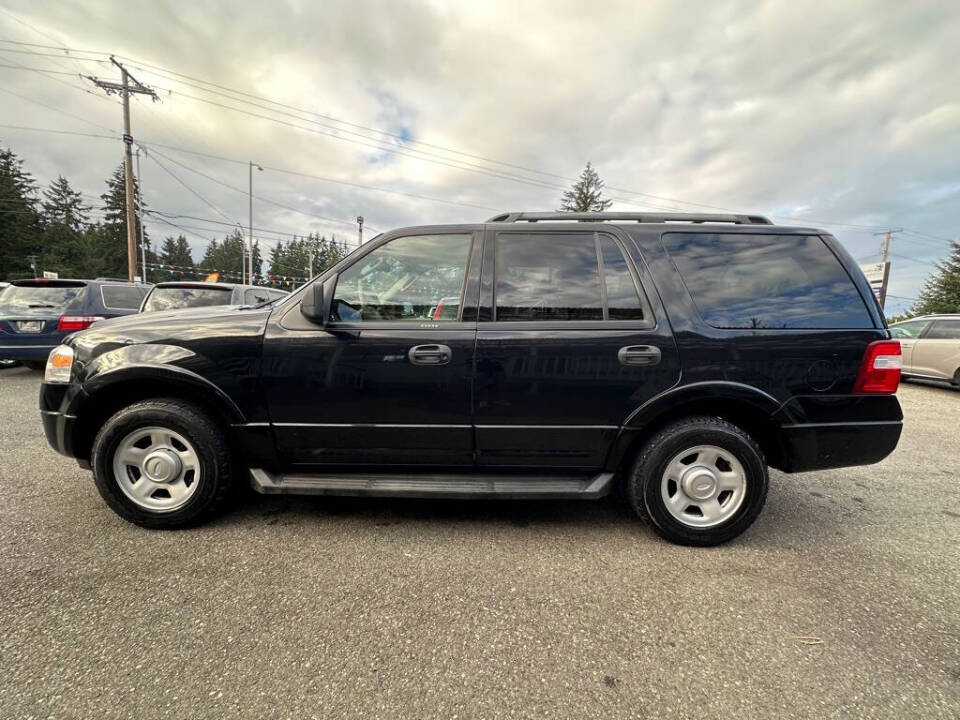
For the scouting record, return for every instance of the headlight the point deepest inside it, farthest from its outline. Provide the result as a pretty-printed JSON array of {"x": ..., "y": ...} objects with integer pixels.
[{"x": 59, "y": 365}]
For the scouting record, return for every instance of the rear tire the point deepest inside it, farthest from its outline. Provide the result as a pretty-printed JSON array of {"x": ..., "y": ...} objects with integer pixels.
[
  {"x": 700, "y": 481},
  {"x": 956, "y": 379},
  {"x": 34, "y": 364},
  {"x": 162, "y": 464}
]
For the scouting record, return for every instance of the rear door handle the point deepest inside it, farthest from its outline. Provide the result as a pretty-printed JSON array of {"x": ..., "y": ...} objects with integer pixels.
[
  {"x": 639, "y": 355},
  {"x": 429, "y": 355}
]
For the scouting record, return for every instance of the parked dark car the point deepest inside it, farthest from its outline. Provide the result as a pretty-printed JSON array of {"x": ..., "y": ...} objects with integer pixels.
[
  {"x": 673, "y": 356},
  {"x": 36, "y": 315},
  {"x": 177, "y": 295}
]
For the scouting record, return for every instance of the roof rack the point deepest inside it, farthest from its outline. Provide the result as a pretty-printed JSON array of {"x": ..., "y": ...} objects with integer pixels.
[{"x": 632, "y": 216}]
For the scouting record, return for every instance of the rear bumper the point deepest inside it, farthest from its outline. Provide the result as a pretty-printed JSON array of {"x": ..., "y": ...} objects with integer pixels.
[
  {"x": 822, "y": 432},
  {"x": 26, "y": 352}
]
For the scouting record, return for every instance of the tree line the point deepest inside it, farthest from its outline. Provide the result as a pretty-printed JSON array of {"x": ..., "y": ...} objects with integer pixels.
[{"x": 53, "y": 229}]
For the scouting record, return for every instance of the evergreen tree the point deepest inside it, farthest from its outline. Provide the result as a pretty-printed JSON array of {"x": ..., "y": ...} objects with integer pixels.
[
  {"x": 112, "y": 240},
  {"x": 20, "y": 229},
  {"x": 941, "y": 291},
  {"x": 586, "y": 195},
  {"x": 65, "y": 230},
  {"x": 175, "y": 253}
]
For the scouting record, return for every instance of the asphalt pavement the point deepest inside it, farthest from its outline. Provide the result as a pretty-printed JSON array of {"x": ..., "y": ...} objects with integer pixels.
[{"x": 842, "y": 601}]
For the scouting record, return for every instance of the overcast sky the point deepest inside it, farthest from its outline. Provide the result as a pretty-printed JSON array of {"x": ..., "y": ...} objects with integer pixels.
[{"x": 847, "y": 113}]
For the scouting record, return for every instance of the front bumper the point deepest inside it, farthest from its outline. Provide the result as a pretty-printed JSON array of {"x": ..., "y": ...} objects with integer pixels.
[{"x": 58, "y": 427}]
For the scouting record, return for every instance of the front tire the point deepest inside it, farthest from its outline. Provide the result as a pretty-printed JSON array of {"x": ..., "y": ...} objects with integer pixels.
[
  {"x": 162, "y": 464},
  {"x": 699, "y": 481}
]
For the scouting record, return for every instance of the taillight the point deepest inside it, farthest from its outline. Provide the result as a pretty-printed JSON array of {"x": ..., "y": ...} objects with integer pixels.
[
  {"x": 438, "y": 309},
  {"x": 880, "y": 369},
  {"x": 77, "y": 322}
]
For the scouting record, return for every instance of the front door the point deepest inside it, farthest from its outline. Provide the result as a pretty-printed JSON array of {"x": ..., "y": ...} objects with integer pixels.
[
  {"x": 568, "y": 345},
  {"x": 388, "y": 380}
]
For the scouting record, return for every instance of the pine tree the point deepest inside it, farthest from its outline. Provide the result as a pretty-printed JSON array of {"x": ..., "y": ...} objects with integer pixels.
[
  {"x": 20, "y": 228},
  {"x": 586, "y": 195},
  {"x": 65, "y": 230},
  {"x": 112, "y": 243},
  {"x": 941, "y": 291}
]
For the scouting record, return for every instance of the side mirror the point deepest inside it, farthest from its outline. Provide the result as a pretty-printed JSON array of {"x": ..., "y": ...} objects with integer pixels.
[{"x": 315, "y": 306}]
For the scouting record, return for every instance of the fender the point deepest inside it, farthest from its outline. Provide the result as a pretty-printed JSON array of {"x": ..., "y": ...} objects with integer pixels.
[
  {"x": 764, "y": 404},
  {"x": 150, "y": 362}
]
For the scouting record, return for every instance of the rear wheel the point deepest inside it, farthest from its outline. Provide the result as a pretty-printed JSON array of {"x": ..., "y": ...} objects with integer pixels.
[
  {"x": 956, "y": 378},
  {"x": 699, "y": 481},
  {"x": 162, "y": 464}
]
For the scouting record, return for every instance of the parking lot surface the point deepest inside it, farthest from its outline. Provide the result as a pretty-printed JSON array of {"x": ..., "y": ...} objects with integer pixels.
[{"x": 843, "y": 600}]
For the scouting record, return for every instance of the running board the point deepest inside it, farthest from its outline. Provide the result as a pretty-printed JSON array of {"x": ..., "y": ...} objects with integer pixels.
[{"x": 428, "y": 486}]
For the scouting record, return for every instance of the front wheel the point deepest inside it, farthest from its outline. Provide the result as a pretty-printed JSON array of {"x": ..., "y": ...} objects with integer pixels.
[
  {"x": 699, "y": 481},
  {"x": 162, "y": 464}
]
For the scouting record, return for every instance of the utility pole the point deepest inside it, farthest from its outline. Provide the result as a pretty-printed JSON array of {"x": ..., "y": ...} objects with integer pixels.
[
  {"x": 310, "y": 255},
  {"x": 250, "y": 236},
  {"x": 125, "y": 89},
  {"x": 360, "y": 235},
  {"x": 33, "y": 264},
  {"x": 143, "y": 245},
  {"x": 885, "y": 263}
]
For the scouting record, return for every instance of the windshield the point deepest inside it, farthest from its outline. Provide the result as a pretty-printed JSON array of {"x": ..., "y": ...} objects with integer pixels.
[
  {"x": 174, "y": 298},
  {"x": 20, "y": 298}
]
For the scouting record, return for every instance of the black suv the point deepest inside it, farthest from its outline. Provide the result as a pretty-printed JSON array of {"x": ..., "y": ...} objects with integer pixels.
[
  {"x": 37, "y": 314},
  {"x": 671, "y": 356}
]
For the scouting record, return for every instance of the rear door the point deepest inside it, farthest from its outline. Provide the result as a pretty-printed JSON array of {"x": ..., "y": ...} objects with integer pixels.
[
  {"x": 568, "y": 345},
  {"x": 937, "y": 352}
]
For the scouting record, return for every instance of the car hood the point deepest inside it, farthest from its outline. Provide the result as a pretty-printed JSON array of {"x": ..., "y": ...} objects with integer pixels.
[{"x": 196, "y": 329}]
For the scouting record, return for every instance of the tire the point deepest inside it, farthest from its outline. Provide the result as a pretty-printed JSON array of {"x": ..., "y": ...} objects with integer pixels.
[
  {"x": 707, "y": 450},
  {"x": 35, "y": 364},
  {"x": 956, "y": 379},
  {"x": 184, "y": 448}
]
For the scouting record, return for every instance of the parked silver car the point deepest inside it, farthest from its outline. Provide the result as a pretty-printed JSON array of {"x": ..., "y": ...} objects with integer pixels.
[{"x": 931, "y": 347}]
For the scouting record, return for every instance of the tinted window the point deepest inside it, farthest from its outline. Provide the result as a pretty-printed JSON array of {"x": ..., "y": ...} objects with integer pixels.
[
  {"x": 33, "y": 298},
  {"x": 174, "y": 298},
  {"x": 909, "y": 329},
  {"x": 547, "y": 277},
  {"x": 623, "y": 302},
  {"x": 406, "y": 279},
  {"x": 123, "y": 297},
  {"x": 944, "y": 330},
  {"x": 766, "y": 281}
]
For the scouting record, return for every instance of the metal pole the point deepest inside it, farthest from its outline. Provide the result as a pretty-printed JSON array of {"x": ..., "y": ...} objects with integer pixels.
[
  {"x": 360, "y": 232},
  {"x": 250, "y": 235},
  {"x": 128, "y": 181},
  {"x": 310, "y": 255},
  {"x": 143, "y": 245}
]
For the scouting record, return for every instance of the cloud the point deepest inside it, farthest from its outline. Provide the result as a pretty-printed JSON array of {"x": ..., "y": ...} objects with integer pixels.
[{"x": 846, "y": 114}]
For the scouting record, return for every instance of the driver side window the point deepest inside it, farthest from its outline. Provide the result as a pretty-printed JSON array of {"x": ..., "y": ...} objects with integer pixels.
[{"x": 419, "y": 277}]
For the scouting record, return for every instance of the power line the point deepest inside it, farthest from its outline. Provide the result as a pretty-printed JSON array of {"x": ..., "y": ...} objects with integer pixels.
[{"x": 194, "y": 192}]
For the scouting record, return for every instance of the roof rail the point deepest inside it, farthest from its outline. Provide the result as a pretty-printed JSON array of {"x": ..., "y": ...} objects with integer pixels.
[{"x": 640, "y": 217}]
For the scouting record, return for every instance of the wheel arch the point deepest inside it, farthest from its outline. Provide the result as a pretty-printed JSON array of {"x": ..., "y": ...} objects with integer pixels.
[
  {"x": 109, "y": 392},
  {"x": 746, "y": 407}
]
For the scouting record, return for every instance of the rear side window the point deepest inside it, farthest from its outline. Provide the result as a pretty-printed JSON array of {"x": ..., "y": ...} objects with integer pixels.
[
  {"x": 944, "y": 330},
  {"x": 121, "y": 297},
  {"x": 766, "y": 281},
  {"x": 544, "y": 277},
  {"x": 174, "y": 298},
  {"x": 910, "y": 329},
  {"x": 255, "y": 297}
]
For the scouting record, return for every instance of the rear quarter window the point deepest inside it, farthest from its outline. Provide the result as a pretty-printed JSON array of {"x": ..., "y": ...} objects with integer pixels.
[
  {"x": 121, "y": 297},
  {"x": 766, "y": 281}
]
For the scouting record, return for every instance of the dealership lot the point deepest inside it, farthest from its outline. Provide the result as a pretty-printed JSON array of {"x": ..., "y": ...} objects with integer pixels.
[{"x": 841, "y": 601}]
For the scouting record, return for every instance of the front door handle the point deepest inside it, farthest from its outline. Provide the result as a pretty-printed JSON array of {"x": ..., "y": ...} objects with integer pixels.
[
  {"x": 639, "y": 355},
  {"x": 429, "y": 355}
]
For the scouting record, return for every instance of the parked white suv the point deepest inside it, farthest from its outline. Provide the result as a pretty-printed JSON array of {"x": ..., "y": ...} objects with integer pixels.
[{"x": 931, "y": 347}]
